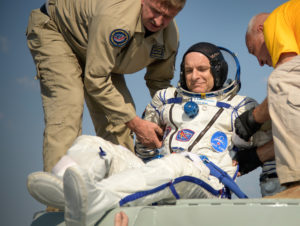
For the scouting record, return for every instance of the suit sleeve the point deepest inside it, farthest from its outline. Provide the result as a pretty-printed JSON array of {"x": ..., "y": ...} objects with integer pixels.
[
  {"x": 152, "y": 113},
  {"x": 160, "y": 73},
  {"x": 100, "y": 61}
]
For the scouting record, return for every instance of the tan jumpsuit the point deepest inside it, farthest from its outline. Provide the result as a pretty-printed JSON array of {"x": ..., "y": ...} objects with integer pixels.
[{"x": 82, "y": 49}]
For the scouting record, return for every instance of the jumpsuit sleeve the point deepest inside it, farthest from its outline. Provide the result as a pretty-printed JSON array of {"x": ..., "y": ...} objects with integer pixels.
[
  {"x": 152, "y": 113},
  {"x": 100, "y": 61},
  {"x": 160, "y": 73},
  {"x": 154, "y": 109}
]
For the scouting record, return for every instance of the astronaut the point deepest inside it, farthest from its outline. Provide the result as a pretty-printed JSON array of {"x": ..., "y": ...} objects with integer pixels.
[
  {"x": 183, "y": 123},
  {"x": 195, "y": 160},
  {"x": 198, "y": 118}
]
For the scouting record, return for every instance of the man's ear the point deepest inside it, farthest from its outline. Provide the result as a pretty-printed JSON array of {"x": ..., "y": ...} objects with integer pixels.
[{"x": 260, "y": 28}]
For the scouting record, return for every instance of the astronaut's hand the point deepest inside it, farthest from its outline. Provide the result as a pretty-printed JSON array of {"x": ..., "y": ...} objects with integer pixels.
[
  {"x": 148, "y": 133},
  {"x": 247, "y": 159},
  {"x": 245, "y": 125}
]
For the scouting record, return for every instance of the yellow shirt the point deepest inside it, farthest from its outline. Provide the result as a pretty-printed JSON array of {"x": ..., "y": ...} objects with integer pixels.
[
  {"x": 282, "y": 30},
  {"x": 109, "y": 38}
]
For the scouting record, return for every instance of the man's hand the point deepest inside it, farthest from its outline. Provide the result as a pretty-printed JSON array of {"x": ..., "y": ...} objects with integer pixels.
[
  {"x": 121, "y": 219},
  {"x": 148, "y": 133},
  {"x": 245, "y": 125},
  {"x": 248, "y": 160}
]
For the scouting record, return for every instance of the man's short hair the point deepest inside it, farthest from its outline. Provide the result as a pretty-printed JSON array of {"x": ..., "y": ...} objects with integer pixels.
[{"x": 177, "y": 4}]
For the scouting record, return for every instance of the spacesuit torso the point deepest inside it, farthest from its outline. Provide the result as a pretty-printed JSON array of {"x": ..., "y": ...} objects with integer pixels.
[{"x": 183, "y": 133}]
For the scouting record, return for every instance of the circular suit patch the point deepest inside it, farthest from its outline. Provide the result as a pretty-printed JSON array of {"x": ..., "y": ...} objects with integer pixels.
[
  {"x": 119, "y": 37},
  {"x": 219, "y": 141}
]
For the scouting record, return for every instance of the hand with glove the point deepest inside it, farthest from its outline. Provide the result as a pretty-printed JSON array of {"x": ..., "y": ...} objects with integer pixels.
[
  {"x": 245, "y": 125},
  {"x": 247, "y": 159}
]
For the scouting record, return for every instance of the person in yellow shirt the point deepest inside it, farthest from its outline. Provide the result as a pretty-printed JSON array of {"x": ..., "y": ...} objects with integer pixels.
[
  {"x": 274, "y": 39},
  {"x": 82, "y": 49}
]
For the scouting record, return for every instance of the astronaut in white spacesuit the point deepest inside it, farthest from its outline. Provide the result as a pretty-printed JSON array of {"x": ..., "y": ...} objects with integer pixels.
[
  {"x": 182, "y": 128},
  {"x": 195, "y": 160}
]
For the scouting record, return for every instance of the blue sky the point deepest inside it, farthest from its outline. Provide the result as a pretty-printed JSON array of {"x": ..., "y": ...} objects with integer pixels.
[{"x": 21, "y": 118}]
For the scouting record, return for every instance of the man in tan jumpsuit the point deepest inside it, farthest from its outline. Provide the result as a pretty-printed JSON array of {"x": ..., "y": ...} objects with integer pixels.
[
  {"x": 274, "y": 39},
  {"x": 82, "y": 49}
]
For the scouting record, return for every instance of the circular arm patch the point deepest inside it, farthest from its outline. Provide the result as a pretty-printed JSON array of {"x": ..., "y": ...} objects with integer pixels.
[{"x": 119, "y": 37}]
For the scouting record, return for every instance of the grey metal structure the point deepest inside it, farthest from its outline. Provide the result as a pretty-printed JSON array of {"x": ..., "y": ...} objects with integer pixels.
[{"x": 200, "y": 212}]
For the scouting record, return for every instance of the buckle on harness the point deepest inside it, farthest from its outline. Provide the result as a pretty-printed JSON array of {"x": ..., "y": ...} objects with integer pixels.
[{"x": 204, "y": 159}]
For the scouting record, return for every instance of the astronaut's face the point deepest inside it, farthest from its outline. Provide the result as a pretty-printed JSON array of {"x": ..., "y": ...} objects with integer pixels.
[
  {"x": 198, "y": 76},
  {"x": 155, "y": 16}
]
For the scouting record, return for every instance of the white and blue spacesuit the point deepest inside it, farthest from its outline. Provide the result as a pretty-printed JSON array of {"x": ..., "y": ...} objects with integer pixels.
[{"x": 195, "y": 160}]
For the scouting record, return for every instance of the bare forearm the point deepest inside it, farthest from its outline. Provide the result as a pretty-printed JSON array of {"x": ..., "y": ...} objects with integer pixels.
[
  {"x": 132, "y": 124},
  {"x": 266, "y": 152},
  {"x": 261, "y": 112}
]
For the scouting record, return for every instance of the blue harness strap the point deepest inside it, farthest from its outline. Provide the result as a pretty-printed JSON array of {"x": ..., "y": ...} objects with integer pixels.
[
  {"x": 215, "y": 171},
  {"x": 173, "y": 190},
  {"x": 141, "y": 194},
  {"x": 225, "y": 179},
  {"x": 171, "y": 184}
]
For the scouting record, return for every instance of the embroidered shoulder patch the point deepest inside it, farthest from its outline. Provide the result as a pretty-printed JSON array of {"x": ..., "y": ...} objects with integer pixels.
[
  {"x": 184, "y": 135},
  {"x": 219, "y": 141},
  {"x": 157, "y": 51},
  {"x": 119, "y": 37}
]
